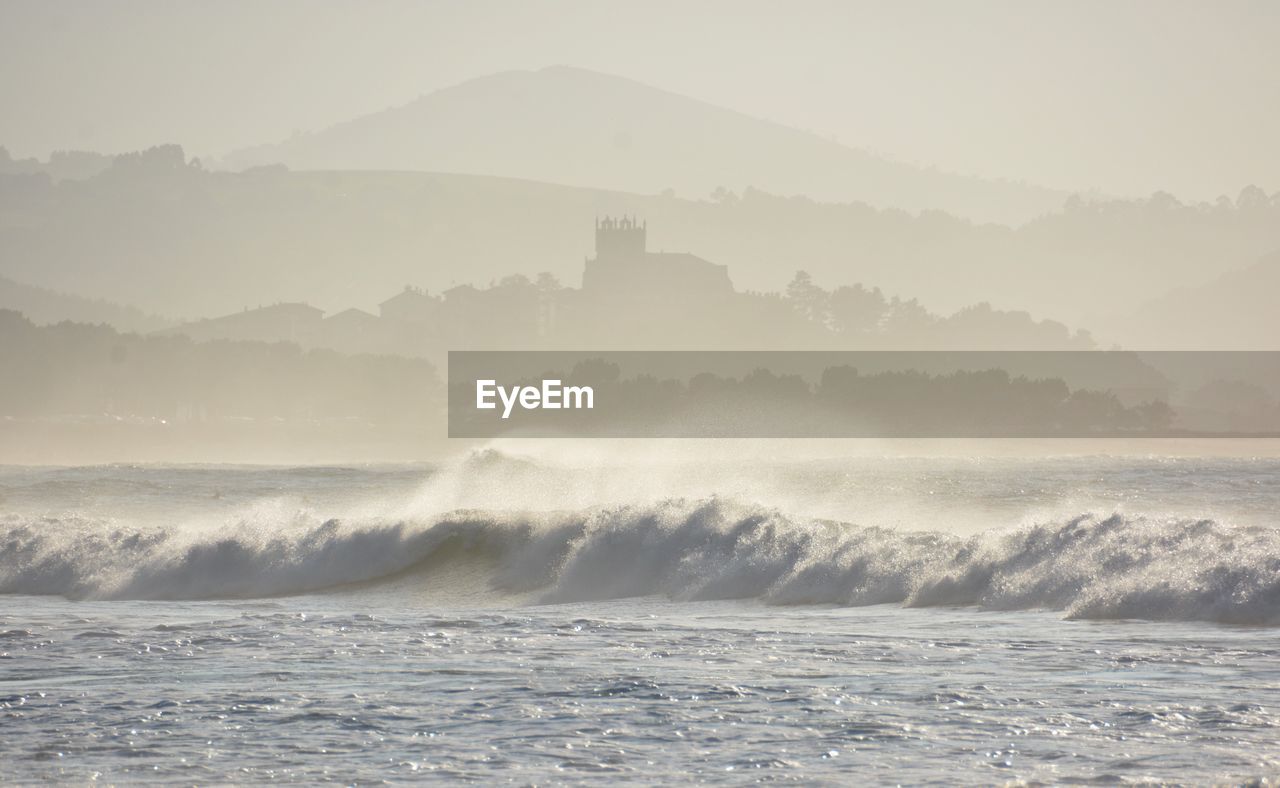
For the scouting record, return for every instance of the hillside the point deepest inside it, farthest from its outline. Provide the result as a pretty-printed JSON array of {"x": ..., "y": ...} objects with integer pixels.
[
  {"x": 159, "y": 233},
  {"x": 42, "y": 306},
  {"x": 577, "y": 127},
  {"x": 1234, "y": 311}
]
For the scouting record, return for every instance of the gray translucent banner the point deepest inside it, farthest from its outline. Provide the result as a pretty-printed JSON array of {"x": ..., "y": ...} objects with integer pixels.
[{"x": 863, "y": 394}]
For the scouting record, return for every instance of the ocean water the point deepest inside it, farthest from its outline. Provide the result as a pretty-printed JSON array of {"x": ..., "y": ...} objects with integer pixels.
[{"x": 535, "y": 620}]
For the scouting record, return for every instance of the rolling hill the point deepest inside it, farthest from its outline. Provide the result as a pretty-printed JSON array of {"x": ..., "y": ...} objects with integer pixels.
[
  {"x": 157, "y": 232},
  {"x": 576, "y": 127}
]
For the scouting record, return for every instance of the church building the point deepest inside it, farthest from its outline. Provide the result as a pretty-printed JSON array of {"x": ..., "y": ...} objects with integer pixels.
[{"x": 624, "y": 268}]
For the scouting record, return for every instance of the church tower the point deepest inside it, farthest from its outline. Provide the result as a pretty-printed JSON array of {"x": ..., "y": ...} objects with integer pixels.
[
  {"x": 620, "y": 239},
  {"x": 625, "y": 270}
]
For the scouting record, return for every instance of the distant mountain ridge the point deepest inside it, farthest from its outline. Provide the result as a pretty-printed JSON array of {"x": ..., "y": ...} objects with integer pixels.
[
  {"x": 1235, "y": 311},
  {"x": 576, "y": 127}
]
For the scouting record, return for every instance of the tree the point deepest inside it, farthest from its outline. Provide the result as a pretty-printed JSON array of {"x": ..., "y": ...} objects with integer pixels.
[
  {"x": 724, "y": 196},
  {"x": 808, "y": 299},
  {"x": 1155, "y": 416},
  {"x": 1252, "y": 199},
  {"x": 907, "y": 322},
  {"x": 856, "y": 310}
]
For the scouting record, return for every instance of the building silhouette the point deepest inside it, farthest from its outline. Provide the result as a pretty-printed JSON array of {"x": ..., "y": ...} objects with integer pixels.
[
  {"x": 282, "y": 322},
  {"x": 624, "y": 268},
  {"x": 411, "y": 305},
  {"x": 629, "y": 296},
  {"x": 620, "y": 237},
  {"x": 355, "y": 331}
]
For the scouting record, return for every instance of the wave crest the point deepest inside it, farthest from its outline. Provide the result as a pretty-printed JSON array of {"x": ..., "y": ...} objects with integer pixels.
[{"x": 1091, "y": 566}]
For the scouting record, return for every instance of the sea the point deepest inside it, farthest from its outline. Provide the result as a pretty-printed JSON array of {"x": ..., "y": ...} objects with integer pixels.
[{"x": 634, "y": 618}]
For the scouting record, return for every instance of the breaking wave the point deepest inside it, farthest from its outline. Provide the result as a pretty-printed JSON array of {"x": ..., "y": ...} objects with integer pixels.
[{"x": 1092, "y": 566}]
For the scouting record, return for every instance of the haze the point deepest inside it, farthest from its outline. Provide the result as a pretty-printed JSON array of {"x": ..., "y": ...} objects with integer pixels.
[
  {"x": 1127, "y": 98},
  {"x": 253, "y": 232}
]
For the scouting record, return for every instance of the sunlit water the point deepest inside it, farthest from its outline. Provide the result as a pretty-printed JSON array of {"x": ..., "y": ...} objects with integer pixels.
[{"x": 1063, "y": 620}]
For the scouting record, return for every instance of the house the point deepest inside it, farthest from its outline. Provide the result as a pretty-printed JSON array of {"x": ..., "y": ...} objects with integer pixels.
[
  {"x": 281, "y": 322},
  {"x": 411, "y": 305},
  {"x": 355, "y": 331}
]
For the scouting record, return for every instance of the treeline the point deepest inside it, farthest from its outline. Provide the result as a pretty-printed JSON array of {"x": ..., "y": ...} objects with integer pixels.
[
  {"x": 861, "y": 318},
  {"x": 62, "y": 165},
  {"x": 843, "y": 403},
  {"x": 72, "y": 369},
  {"x": 513, "y": 313}
]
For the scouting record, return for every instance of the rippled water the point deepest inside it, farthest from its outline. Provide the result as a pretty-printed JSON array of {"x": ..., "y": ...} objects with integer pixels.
[
  {"x": 645, "y": 690},
  {"x": 449, "y": 662}
]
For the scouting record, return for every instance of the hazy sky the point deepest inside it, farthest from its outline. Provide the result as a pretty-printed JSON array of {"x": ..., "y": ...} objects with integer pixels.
[{"x": 1127, "y": 97}]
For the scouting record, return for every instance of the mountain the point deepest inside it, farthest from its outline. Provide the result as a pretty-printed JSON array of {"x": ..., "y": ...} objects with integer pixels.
[
  {"x": 43, "y": 306},
  {"x": 576, "y": 127},
  {"x": 1235, "y": 311}
]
